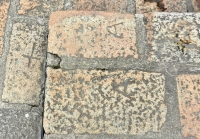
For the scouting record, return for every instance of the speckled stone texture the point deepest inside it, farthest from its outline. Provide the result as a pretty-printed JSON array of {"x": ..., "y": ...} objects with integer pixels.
[
  {"x": 176, "y": 38},
  {"x": 92, "y": 34},
  {"x": 4, "y": 5},
  {"x": 24, "y": 65},
  {"x": 189, "y": 104},
  {"x": 123, "y": 6},
  {"x": 95, "y": 101},
  {"x": 42, "y": 8},
  {"x": 15, "y": 124}
]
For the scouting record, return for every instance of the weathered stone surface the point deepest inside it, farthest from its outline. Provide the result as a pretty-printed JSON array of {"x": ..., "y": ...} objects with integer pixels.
[
  {"x": 147, "y": 6},
  {"x": 175, "y": 38},
  {"x": 19, "y": 124},
  {"x": 92, "y": 34},
  {"x": 95, "y": 101},
  {"x": 189, "y": 104},
  {"x": 174, "y": 5},
  {"x": 196, "y": 5},
  {"x": 123, "y": 6},
  {"x": 4, "y": 5},
  {"x": 24, "y": 65},
  {"x": 39, "y": 7}
]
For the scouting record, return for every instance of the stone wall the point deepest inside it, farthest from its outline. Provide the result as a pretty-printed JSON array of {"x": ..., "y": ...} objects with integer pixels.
[{"x": 100, "y": 69}]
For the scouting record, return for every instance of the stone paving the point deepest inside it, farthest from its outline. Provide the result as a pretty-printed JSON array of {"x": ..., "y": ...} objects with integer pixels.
[{"x": 96, "y": 69}]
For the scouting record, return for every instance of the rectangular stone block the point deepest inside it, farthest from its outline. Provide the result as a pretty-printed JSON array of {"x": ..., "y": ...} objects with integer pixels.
[
  {"x": 4, "y": 5},
  {"x": 39, "y": 7},
  {"x": 92, "y": 34},
  {"x": 176, "y": 38},
  {"x": 189, "y": 104},
  {"x": 123, "y": 6},
  {"x": 24, "y": 65},
  {"x": 110, "y": 102}
]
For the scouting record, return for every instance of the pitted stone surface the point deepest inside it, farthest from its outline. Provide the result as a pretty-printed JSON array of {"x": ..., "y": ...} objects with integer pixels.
[
  {"x": 123, "y": 6},
  {"x": 24, "y": 66},
  {"x": 95, "y": 101},
  {"x": 15, "y": 124},
  {"x": 189, "y": 104},
  {"x": 175, "y": 6},
  {"x": 4, "y": 5},
  {"x": 176, "y": 38},
  {"x": 39, "y": 7},
  {"x": 92, "y": 34},
  {"x": 148, "y": 7}
]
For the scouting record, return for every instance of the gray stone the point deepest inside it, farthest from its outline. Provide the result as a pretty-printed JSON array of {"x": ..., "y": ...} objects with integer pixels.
[
  {"x": 53, "y": 60},
  {"x": 15, "y": 124},
  {"x": 176, "y": 38}
]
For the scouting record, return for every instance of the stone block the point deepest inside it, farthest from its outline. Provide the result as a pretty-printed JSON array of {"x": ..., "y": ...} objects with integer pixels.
[
  {"x": 39, "y": 7},
  {"x": 122, "y": 6},
  {"x": 15, "y": 124},
  {"x": 92, "y": 34},
  {"x": 189, "y": 104},
  {"x": 175, "y": 38},
  {"x": 24, "y": 65},
  {"x": 4, "y": 5},
  {"x": 103, "y": 101}
]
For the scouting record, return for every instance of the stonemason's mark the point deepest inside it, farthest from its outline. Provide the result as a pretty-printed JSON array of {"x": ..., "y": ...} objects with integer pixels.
[
  {"x": 115, "y": 33},
  {"x": 31, "y": 56}
]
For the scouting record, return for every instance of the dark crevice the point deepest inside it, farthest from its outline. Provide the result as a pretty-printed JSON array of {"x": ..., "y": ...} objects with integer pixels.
[{"x": 44, "y": 92}]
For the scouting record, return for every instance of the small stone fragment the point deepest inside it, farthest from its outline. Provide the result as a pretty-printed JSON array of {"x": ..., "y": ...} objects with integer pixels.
[
  {"x": 4, "y": 5},
  {"x": 92, "y": 34},
  {"x": 189, "y": 104},
  {"x": 102, "y": 101},
  {"x": 24, "y": 65},
  {"x": 53, "y": 60}
]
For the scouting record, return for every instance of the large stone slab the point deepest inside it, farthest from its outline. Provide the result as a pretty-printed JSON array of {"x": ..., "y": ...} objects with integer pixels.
[
  {"x": 4, "y": 5},
  {"x": 24, "y": 65},
  {"x": 96, "y": 101},
  {"x": 92, "y": 34},
  {"x": 123, "y": 6},
  {"x": 176, "y": 38},
  {"x": 15, "y": 124},
  {"x": 39, "y": 7},
  {"x": 189, "y": 104}
]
